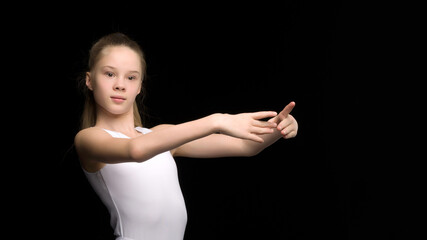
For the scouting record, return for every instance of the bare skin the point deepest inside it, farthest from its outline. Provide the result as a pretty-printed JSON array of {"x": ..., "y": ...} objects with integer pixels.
[{"x": 115, "y": 82}]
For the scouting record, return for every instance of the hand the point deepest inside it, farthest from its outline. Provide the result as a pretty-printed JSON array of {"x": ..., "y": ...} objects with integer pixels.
[
  {"x": 286, "y": 123},
  {"x": 247, "y": 125}
]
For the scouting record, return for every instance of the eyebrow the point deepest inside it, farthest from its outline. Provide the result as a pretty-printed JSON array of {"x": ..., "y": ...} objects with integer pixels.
[{"x": 107, "y": 66}]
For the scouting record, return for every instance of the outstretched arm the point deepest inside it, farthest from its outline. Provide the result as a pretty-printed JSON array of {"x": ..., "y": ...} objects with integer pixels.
[
  {"x": 222, "y": 145},
  {"x": 96, "y": 147}
]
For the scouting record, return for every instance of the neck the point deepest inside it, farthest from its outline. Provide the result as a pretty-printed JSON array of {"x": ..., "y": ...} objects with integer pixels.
[{"x": 123, "y": 123}]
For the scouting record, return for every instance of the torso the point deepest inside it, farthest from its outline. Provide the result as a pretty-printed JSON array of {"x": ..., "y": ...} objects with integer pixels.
[{"x": 144, "y": 199}]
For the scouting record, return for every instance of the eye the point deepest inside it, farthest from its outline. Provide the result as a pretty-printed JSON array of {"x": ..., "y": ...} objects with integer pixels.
[
  {"x": 132, "y": 77},
  {"x": 109, "y": 74}
]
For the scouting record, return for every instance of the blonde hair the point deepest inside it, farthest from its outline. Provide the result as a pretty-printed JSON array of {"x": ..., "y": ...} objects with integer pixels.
[{"x": 88, "y": 117}]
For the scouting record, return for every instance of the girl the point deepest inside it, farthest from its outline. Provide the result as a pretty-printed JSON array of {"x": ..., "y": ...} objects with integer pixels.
[{"x": 131, "y": 168}]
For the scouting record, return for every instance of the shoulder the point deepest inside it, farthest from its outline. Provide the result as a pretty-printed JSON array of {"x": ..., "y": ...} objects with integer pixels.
[
  {"x": 89, "y": 132},
  {"x": 88, "y": 135},
  {"x": 87, "y": 143}
]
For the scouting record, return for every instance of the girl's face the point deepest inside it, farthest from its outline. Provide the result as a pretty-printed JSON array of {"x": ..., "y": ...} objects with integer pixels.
[{"x": 116, "y": 79}]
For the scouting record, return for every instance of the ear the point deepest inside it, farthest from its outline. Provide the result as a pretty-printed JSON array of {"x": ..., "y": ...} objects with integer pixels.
[
  {"x": 139, "y": 88},
  {"x": 89, "y": 81}
]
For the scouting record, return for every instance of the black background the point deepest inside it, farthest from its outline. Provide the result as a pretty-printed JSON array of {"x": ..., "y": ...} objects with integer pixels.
[{"x": 340, "y": 178}]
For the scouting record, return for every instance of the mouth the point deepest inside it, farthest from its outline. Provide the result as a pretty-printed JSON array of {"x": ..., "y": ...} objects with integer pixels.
[{"x": 118, "y": 99}]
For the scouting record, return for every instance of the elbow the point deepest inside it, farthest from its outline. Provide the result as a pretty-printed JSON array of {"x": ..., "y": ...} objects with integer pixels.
[
  {"x": 251, "y": 152},
  {"x": 249, "y": 149},
  {"x": 254, "y": 153},
  {"x": 133, "y": 152},
  {"x": 136, "y": 153}
]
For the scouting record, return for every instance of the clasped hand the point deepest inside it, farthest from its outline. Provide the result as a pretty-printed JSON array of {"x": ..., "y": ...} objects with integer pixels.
[{"x": 251, "y": 126}]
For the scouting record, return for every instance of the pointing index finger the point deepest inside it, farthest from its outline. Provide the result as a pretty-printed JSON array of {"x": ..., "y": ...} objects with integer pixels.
[{"x": 287, "y": 109}]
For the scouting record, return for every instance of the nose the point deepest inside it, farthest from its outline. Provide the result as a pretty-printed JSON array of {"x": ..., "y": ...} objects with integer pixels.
[{"x": 119, "y": 85}]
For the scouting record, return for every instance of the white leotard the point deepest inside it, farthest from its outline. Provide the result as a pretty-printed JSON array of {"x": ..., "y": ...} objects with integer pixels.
[{"x": 144, "y": 199}]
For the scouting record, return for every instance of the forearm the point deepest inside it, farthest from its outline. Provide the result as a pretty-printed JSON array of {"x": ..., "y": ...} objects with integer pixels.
[
  {"x": 252, "y": 148},
  {"x": 156, "y": 142}
]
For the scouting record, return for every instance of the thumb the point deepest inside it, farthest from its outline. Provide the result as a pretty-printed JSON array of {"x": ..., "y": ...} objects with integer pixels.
[{"x": 272, "y": 120}]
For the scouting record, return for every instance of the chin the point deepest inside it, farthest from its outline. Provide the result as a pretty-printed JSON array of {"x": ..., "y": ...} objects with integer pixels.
[{"x": 118, "y": 109}]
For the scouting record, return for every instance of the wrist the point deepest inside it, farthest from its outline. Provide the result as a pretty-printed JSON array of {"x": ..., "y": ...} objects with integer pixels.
[{"x": 216, "y": 120}]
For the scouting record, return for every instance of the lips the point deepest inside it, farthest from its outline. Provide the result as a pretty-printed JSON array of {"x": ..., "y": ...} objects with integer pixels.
[{"x": 118, "y": 99}]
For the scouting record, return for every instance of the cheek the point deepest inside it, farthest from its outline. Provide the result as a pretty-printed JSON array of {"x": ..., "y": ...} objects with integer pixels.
[
  {"x": 99, "y": 90},
  {"x": 101, "y": 94},
  {"x": 136, "y": 88}
]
